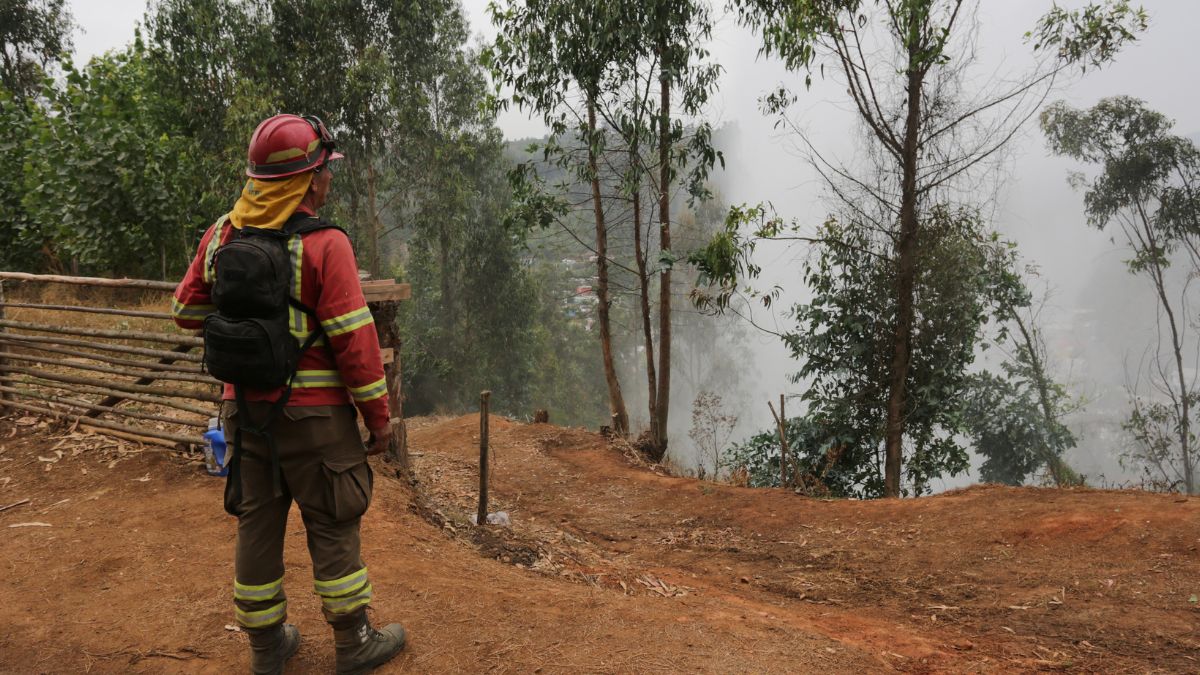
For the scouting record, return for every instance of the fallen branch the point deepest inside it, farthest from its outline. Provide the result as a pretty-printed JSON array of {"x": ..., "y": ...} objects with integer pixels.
[
  {"x": 164, "y": 402},
  {"x": 102, "y": 408},
  {"x": 104, "y": 424},
  {"x": 14, "y": 505}
]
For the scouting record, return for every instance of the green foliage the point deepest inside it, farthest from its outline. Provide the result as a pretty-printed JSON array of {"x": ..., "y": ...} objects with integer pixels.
[
  {"x": 711, "y": 429},
  {"x": 1149, "y": 186},
  {"x": 1004, "y": 417},
  {"x": 1090, "y": 36},
  {"x": 23, "y": 241},
  {"x": 34, "y": 36},
  {"x": 725, "y": 263},
  {"x": 567, "y": 375},
  {"x": 559, "y": 56},
  {"x": 843, "y": 338},
  {"x": 1155, "y": 428},
  {"x": 817, "y": 456},
  {"x": 103, "y": 187},
  {"x": 1142, "y": 166}
]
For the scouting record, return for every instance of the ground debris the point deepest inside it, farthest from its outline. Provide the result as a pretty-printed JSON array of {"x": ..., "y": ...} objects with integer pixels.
[
  {"x": 14, "y": 505},
  {"x": 660, "y": 587}
]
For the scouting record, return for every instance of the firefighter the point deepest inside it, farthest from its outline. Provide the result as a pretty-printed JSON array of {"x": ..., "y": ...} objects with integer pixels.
[{"x": 319, "y": 459}]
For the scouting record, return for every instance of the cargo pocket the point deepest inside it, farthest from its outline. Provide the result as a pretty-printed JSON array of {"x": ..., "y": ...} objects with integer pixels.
[
  {"x": 311, "y": 426},
  {"x": 348, "y": 488}
]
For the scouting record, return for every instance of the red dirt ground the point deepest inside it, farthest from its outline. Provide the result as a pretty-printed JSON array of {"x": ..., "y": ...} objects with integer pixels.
[{"x": 610, "y": 567}]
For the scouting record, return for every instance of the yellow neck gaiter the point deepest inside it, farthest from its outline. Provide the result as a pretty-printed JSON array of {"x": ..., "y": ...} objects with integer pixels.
[{"x": 267, "y": 204}]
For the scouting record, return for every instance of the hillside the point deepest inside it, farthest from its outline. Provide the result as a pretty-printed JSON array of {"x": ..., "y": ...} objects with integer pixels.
[{"x": 609, "y": 567}]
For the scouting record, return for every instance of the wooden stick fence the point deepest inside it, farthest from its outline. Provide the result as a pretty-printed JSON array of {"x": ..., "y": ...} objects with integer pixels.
[
  {"x": 134, "y": 363},
  {"x": 50, "y": 367},
  {"x": 118, "y": 349}
]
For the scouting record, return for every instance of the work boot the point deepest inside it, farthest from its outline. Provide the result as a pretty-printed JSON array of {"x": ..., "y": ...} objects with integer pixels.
[
  {"x": 271, "y": 647},
  {"x": 361, "y": 648}
]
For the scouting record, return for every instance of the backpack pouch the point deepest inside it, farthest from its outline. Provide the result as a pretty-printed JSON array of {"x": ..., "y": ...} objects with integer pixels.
[{"x": 254, "y": 353}]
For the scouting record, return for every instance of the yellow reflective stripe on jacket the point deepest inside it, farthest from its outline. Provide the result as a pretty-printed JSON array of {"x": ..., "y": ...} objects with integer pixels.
[
  {"x": 213, "y": 244},
  {"x": 350, "y": 321},
  {"x": 260, "y": 592},
  {"x": 344, "y": 586},
  {"x": 197, "y": 312},
  {"x": 261, "y": 618},
  {"x": 299, "y": 325},
  {"x": 369, "y": 392},
  {"x": 347, "y": 604},
  {"x": 317, "y": 378},
  {"x": 298, "y": 320}
]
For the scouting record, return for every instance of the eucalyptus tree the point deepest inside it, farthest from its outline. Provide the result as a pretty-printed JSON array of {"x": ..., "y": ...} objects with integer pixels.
[
  {"x": 1015, "y": 418},
  {"x": 903, "y": 64},
  {"x": 621, "y": 86},
  {"x": 677, "y": 34},
  {"x": 558, "y": 55},
  {"x": 1148, "y": 187}
]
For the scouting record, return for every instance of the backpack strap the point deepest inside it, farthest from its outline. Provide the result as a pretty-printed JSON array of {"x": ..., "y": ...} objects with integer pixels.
[{"x": 302, "y": 223}]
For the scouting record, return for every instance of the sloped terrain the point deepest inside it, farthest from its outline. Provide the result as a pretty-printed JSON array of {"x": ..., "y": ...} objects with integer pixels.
[{"x": 609, "y": 566}]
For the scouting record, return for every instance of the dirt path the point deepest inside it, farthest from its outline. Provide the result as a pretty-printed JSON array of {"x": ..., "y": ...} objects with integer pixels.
[
  {"x": 986, "y": 579},
  {"x": 132, "y": 574},
  {"x": 609, "y": 568}
]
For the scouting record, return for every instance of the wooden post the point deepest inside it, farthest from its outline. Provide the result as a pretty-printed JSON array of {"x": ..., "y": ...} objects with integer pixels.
[
  {"x": 484, "y": 400},
  {"x": 3, "y": 362},
  {"x": 389, "y": 338},
  {"x": 781, "y": 425}
]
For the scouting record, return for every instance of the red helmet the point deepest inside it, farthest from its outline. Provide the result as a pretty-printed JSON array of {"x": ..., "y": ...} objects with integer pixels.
[{"x": 285, "y": 145}]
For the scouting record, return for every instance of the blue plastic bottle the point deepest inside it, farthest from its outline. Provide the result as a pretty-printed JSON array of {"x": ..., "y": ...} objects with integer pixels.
[{"x": 214, "y": 451}]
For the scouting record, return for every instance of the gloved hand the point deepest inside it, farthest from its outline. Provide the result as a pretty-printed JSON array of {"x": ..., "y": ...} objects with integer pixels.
[{"x": 380, "y": 440}]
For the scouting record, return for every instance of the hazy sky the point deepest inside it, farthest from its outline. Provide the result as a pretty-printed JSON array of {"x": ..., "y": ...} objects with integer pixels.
[{"x": 1036, "y": 207}]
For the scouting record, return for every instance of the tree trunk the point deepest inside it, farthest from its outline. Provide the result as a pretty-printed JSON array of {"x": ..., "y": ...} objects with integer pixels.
[
  {"x": 644, "y": 288},
  {"x": 1062, "y": 473},
  {"x": 616, "y": 402},
  {"x": 906, "y": 272},
  {"x": 373, "y": 225},
  {"x": 1184, "y": 409},
  {"x": 664, "y": 244}
]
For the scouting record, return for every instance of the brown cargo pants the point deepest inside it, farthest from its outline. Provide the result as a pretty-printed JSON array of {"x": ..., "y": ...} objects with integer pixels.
[{"x": 324, "y": 469}]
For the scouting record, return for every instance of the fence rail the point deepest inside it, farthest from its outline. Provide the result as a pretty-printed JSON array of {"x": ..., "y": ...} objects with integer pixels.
[{"x": 54, "y": 356}]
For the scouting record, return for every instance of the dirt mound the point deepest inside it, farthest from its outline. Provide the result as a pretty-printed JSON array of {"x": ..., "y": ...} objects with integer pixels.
[{"x": 610, "y": 566}]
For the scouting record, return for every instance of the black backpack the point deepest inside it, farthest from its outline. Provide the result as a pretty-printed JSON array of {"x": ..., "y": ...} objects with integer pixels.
[{"x": 247, "y": 341}]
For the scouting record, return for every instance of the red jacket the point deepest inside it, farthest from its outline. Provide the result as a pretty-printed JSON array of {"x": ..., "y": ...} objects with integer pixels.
[{"x": 343, "y": 365}]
